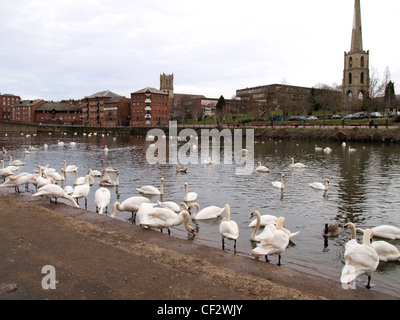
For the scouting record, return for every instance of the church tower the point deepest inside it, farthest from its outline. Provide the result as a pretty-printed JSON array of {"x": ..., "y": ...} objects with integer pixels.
[
  {"x": 356, "y": 67},
  {"x": 167, "y": 86}
]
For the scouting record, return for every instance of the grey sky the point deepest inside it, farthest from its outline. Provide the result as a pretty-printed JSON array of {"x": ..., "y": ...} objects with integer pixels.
[{"x": 70, "y": 49}]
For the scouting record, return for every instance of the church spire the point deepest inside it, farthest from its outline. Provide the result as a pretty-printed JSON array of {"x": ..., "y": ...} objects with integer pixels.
[{"x": 356, "y": 39}]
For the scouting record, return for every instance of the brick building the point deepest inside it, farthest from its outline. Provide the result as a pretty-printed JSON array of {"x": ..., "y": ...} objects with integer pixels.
[
  {"x": 106, "y": 109},
  {"x": 149, "y": 106},
  {"x": 6, "y": 103},
  {"x": 25, "y": 110},
  {"x": 64, "y": 112}
]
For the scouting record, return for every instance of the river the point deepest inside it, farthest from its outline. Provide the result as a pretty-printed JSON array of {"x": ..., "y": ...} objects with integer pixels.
[{"x": 364, "y": 189}]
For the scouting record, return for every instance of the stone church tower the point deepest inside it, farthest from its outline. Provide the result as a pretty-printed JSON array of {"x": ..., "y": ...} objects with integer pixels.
[
  {"x": 167, "y": 86},
  {"x": 356, "y": 67}
]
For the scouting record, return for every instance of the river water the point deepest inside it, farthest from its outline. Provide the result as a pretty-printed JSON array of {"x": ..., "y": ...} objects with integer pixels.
[{"x": 364, "y": 189}]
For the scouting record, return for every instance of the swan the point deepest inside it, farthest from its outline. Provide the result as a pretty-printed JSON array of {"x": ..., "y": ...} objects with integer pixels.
[
  {"x": 254, "y": 236},
  {"x": 189, "y": 196},
  {"x": 94, "y": 173},
  {"x": 17, "y": 181},
  {"x": 102, "y": 198},
  {"x": 209, "y": 160},
  {"x": 82, "y": 191},
  {"x": 144, "y": 209},
  {"x": 60, "y": 143},
  {"x": 327, "y": 150},
  {"x": 173, "y": 205},
  {"x": 4, "y": 150},
  {"x": 180, "y": 168},
  {"x": 78, "y": 180},
  {"x": 386, "y": 251},
  {"x": 108, "y": 182},
  {"x": 275, "y": 241},
  {"x": 318, "y": 148},
  {"x": 162, "y": 218},
  {"x": 210, "y": 212},
  {"x": 17, "y": 163},
  {"x": 228, "y": 228},
  {"x": 68, "y": 190},
  {"x": 331, "y": 230},
  {"x": 131, "y": 204},
  {"x": 297, "y": 165},
  {"x": 108, "y": 169},
  {"x": 265, "y": 219},
  {"x": 69, "y": 168},
  {"x": 343, "y": 144},
  {"x": 279, "y": 184},
  {"x": 261, "y": 168},
  {"x": 105, "y": 148},
  {"x": 5, "y": 172},
  {"x": 385, "y": 231},
  {"x": 41, "y": 181},
  {"x": 150, "y": 190},
  {"x": 72, "y": 143},
  {"x": 54, "y": 191},
  {"x": 352, "y": 149},
  {"x": 57, "y": 176},
  {"x": 360, "y": 259},
  {"x": 45, "y": 146},
  {"x": 319, "y": 185},
  {"x": 26, "y": 151}
]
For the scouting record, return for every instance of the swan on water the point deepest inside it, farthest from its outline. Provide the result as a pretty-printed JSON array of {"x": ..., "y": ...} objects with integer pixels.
[
  {"x": 210, "y": 212},
  {"x": 108, "y": 182},
  {"x": 189, "y": 196},
  {"x": 180, "y": 168},
  {"x": 228, "y": 228},
  {"x": 78, "y": 180},
  {"x": 56, "y": 176},
  {"x": 360, "y": 259},
  {"x": 102, "y": 198},
  {"x": 69, "y": 168},
  {"x": 319, "y": 185},
  {"x": 279, "y": 184},
  {"x": 385, "y": 231},
  {"x": 108, "y": 169},
  {"x": 261, "y": 168},
  {"x": 94, "y": 173},
  {"x": 265, "y": 219},
  {"x": 275, "y": 241},
  {"x": 327, "y": 150},
  {"x": 15, "y": 182},
  {"x": 55, "y": 191},
  {"x": 297, "y": 165},
  {"x": 173, "y": 206},
  {"x": 151, "y": 190},
  {"x": 131, "y": 204},
  {"x": 318, "y": 148},
  {"x": 17, "y": 163}
]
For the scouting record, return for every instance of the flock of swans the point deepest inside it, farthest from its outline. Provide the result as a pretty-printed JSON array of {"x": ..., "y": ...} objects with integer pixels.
[{"x": 360, "y": 259}]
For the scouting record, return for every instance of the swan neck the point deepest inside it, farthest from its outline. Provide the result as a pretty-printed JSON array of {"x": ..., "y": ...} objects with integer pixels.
[{"x": 195, "y": 204}]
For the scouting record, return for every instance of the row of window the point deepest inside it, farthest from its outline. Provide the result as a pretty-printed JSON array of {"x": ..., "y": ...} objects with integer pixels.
[
  {"x": 361, "y": 78},
  {"x": 362, "y": 63}
]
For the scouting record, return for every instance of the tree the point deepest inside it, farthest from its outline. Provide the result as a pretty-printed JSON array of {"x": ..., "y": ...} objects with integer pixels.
[
  {"x": 220, "y": 108},
  {"x": 390, "y": 96}
]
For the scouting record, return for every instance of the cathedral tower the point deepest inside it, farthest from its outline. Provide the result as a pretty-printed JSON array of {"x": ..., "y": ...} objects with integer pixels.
[
  {"x": 356, "y": 67},
  {"x": 167, "y": 86}
]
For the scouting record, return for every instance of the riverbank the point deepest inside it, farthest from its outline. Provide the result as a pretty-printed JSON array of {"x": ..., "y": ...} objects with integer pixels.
[{"x": 96, "y": 257}]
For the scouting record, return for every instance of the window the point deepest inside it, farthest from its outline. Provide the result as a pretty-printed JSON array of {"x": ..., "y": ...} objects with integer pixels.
[
  {"x": 362, "y": 62},
  {"x": 350, "y": 78},
  {"x": 350, "y": 62},
  {"x": 362, "y": 78}
]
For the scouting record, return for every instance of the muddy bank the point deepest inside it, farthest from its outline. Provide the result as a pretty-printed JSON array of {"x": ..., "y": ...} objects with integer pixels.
[
  {"x": 97, "y": 257},
  {"x": 335, "y": 134}
]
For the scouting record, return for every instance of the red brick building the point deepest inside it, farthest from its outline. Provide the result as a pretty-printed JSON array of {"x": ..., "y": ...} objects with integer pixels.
[
  {"x": 64, "y": 112},
  {"x": 105, "y": 109},
  {"x": 25, "y": 110},
  {"x": 6, "y": 103},
  {"x": 149, "y": 106}
]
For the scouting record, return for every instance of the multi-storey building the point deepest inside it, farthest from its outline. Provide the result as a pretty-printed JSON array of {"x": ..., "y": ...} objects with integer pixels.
[
  {"x": 6, "y": 103},
  {"x": 149, "y": 106},
  {"x": 64, "y": 112},
  {"x": 25, "y": 110},
  {"x": 105, "y": 108}
]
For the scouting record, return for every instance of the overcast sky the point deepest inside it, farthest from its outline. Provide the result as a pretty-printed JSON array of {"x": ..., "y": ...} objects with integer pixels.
[{"x": 65, "y": 49}]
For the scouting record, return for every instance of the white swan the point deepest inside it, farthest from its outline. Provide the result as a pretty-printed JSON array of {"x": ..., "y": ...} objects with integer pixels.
[
  {"x": 352, "y": 149},
  {"x": 17, "y": 163},
  {"x": 144, "y": 209},
  {"x": 173, "y": 206},
  {"x": 162, "y": 218},
  {"x": 82, "y": 191},
  {"x": 265, "y": 219},
  {"x": 60, "y": 143},
  {"x": 210, "y": 212},
  {"x": 254, "y": 236},
  {"x": 319, "y": 185},
  {"x": 131, "y": 204},
  {"x": 68, "y": 190},
  {"x": 78, "y": 180},
  {"x": 360, "y": 259},
  {"x": 105, "y": 148},
  {"x": 94, "y": 173},
  {"x": 15, "y": 182},
  {"x": 261, "y": 168},
  {"x": 209, "y": 160},
  {"x": 275, "y": 241},
  {"x": 151, "y": 190},
  {"x": 102, "y": 198},
  {"x": 297, "y": 165},
  {"x": 189, "y": 196},
  {"x": 228, "y": 228},
  {"x": 56, "y": 176},
  {"x": 108, "y": 169},
  {"x": 318, "y": 149},
  {"x": 5, "y": 172},
  {"x": 385, "y": 231},
  {"x": 328, "y": 150},
  {"x": 386, "y": 251},
  {"x": 69, "y": 168},
  {"x": 54, "y": 191},
  {"x": 279, "y": 184}
]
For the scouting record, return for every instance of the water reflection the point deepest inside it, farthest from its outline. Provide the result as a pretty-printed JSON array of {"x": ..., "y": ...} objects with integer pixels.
[{"x": 364, "y": 188}]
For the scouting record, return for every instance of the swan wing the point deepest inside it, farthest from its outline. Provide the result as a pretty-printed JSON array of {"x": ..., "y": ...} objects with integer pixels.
[
  {"x": 229, "y": 229},
  {"x": 210, "y": 212}
]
